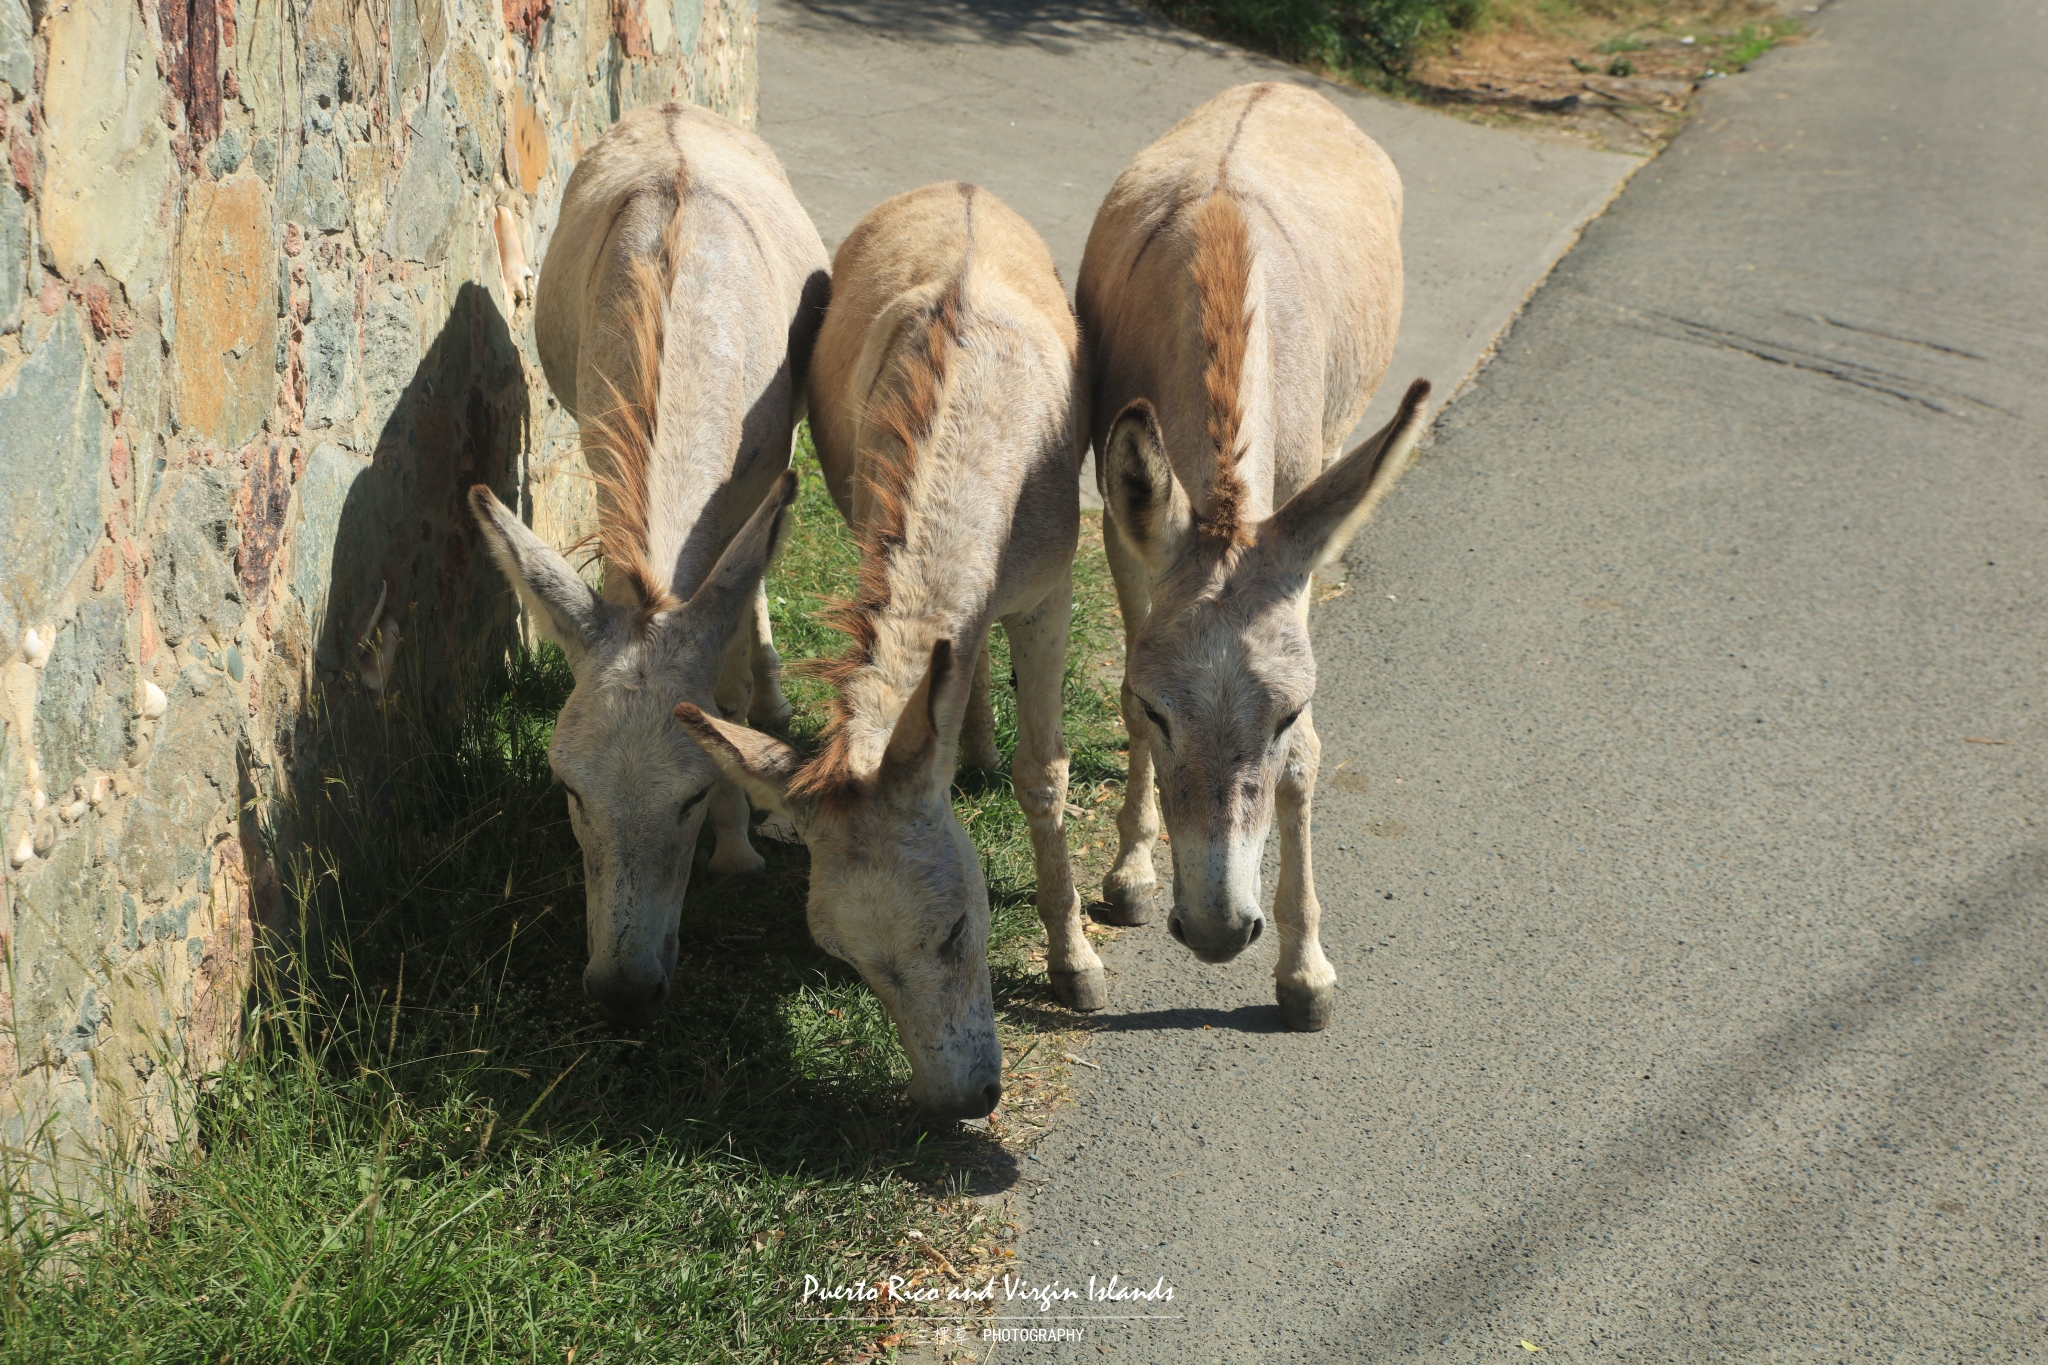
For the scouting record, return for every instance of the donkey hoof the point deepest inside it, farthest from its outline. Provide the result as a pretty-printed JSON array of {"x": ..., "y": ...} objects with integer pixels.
[
  {"x": 1306, "y": 1009},
  {"x": 1129, "y": 906},
  {"x": 1084, "y": 991},
  {"x": 744, "y": 863}
]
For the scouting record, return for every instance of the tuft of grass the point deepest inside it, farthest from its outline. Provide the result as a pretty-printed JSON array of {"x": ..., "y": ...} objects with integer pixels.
[
  {"x": 430, "y": 1148},
  {"x": 1753, "y": 42}
]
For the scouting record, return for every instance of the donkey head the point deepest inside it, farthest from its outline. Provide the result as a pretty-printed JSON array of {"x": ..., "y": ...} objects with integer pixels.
[
  {"x": 896, "y": 886},
  {"x": 1222, "y": 666},
  {"x": 637, "y": 789}
]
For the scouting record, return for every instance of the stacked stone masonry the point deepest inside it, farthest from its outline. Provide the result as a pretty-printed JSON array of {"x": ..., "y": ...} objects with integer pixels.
[{"x": 264, "y": 317}]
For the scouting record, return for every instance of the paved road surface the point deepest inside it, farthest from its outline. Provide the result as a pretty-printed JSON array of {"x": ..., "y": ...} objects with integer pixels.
[
  {"x": 1687, "y": 869},
  {"x": 1045, "y": 101}
]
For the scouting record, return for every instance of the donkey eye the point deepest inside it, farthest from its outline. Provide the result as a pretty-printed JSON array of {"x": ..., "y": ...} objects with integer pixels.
[
  {"x": 1165, "y": 730},
  {"x": 952, "y": 939},
  {"x": 691, "y": 805},
  {"x": 1284, "y": 726}
]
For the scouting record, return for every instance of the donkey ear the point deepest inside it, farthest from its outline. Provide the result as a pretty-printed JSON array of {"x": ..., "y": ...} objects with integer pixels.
[
  {"x": 562, "y": 605},
  {"x": 1318, "y": 522},
  {"x": 729, "y": 589},
  {"x": 762, "y": 764},
  {"x": 931, "y": 715},
  {"x": 1150, "y": 507}
]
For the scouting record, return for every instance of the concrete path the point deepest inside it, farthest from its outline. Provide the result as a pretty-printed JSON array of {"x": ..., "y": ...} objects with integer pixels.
[
  {"x": 1044, "y": 101},
  {"x": 1683, "y": 839}
]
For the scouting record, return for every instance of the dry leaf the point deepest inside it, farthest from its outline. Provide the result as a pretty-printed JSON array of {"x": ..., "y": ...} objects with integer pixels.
[{"x": 934, "y": 1254}]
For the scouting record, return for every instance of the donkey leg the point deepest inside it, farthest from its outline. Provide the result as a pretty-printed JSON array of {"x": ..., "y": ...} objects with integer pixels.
[
  {"x": 1131, "y": 891},
  {"x": 767, "y": 709},
  {"x": 727, "y": 807},
  {"x": 730, "y": 815},
  {"x": 1303, "y": 978},
  {"x": 1038, "y": 649},
  {"x": 978, "y": 731}
]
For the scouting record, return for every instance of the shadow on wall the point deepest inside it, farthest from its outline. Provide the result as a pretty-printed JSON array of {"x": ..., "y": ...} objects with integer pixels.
[
  {"x": 133, "y": 920},
  {"x": 390, "y": 558}
]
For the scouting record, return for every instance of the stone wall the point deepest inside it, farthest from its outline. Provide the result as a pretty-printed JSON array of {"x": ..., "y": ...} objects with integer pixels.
[{"x": 264, "y": 316}]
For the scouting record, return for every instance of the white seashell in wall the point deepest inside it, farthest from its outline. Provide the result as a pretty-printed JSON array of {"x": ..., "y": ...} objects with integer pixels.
[{"x": 154, "y": 702}]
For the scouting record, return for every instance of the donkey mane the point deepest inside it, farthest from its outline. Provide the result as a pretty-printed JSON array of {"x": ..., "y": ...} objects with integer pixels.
[
  {"x": 618, "y": 442},
  {"x": 1222, "y": 269},
  {"x": 907, "y": 415}
]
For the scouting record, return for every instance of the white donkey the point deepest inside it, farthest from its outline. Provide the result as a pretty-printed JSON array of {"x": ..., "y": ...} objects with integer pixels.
[
  {"x": 1240, "y": 295},
  {"x": 945, "y": 401},
  {"x": 675, "y": 314}
]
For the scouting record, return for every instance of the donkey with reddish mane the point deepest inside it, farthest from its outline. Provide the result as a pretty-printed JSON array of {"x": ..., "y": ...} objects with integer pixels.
[
  {"x": 946, "y": 407},
  {"x": 675, "y": 315},
  {"x": 1239, "y": 295}
]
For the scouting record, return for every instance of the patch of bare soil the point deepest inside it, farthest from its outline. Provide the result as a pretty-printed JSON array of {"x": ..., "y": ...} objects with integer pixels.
[{"x": 1623, "y": 82}]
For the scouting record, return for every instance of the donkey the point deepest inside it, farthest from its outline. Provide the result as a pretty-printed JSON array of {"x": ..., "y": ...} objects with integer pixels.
[
  {"x": 1239, "y": 296},
  {"x": 945, "y": 403},
  {"x": 675, "y": 315}
]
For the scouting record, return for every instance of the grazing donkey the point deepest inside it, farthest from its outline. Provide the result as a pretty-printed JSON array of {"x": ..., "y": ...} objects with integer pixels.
[
  {"x": 945, "y": 403},
  {"x": 1239, "y": 295},
  {"x": 675, "y": 314}
]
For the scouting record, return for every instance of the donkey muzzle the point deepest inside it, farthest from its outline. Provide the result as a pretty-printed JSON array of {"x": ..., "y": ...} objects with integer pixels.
[
  {"x": 1215, "y": 938},
  {"x": 629, "y": 996}
]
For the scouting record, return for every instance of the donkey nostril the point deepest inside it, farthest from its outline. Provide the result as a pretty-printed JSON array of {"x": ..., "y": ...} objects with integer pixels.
[
  {"x": 993, "y": 1093},
  {"x": 1173, "y": 927},
  {"x": 659, "y": 993},
  {"x": 1258, "y": 927}
]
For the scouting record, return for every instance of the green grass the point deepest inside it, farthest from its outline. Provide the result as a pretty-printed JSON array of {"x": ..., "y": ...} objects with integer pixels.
[
  {"x": 1751, "y": 43},
  {"x": 1377, "y": 43},
  {"x": 433, "y": 1151},
  {"x": 1363, "y": 39}
]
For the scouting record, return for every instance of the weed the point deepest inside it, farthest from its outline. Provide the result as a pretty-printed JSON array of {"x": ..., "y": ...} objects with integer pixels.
[
  {"x": 1357, "y": 37},
  {"x": 1751, "y": 43}
]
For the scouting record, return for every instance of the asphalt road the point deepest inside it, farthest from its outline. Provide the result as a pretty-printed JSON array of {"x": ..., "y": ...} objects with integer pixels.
[{"x": 1683, "y": 837}]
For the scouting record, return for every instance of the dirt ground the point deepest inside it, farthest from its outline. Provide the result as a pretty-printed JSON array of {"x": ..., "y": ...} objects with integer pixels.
[{"x": 1621, "y": 83}]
